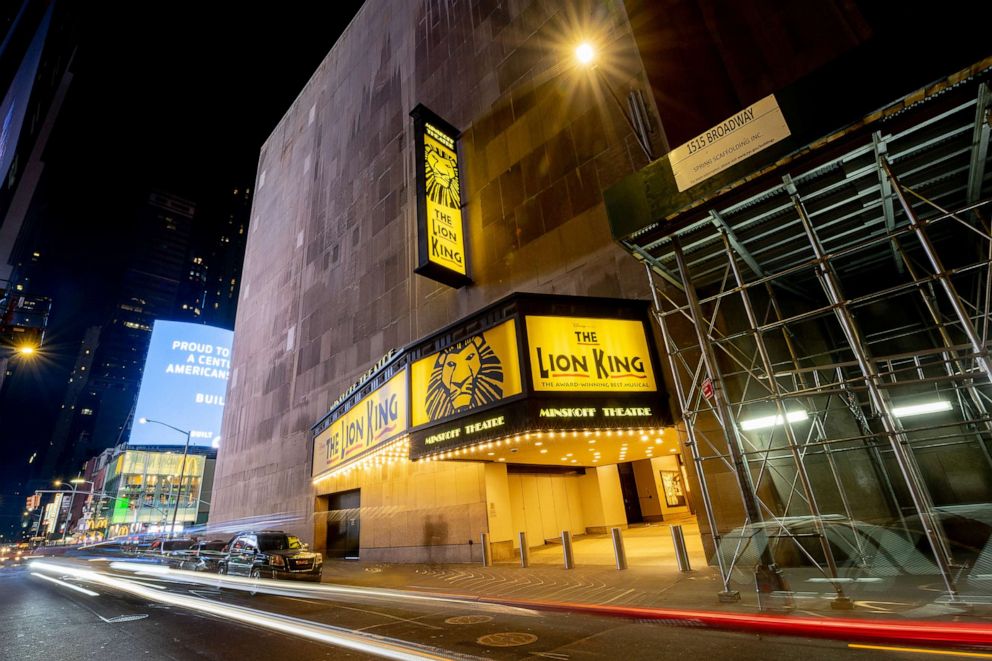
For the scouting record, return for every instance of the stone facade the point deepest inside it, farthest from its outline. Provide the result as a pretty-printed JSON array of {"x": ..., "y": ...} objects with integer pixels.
[{"x": 328, "y": 278}]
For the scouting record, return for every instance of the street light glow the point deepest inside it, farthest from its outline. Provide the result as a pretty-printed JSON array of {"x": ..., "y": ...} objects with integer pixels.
[
  {"x": 143, "y": 421},
  {"x": 921, "y": 409},
  {"x": 772, "y": 420},
  {"x": 26, "y": 350},
  {"x": 585, "y": 53}
]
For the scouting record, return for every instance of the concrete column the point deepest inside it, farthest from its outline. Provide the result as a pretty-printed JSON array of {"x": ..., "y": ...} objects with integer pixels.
[
  {"x": 498, "y": 512},
  {"x": 602, "y": 501}
]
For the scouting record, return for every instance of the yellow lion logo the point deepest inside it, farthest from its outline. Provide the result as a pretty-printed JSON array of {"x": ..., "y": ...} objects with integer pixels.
[{"x": 465, "y": 376}]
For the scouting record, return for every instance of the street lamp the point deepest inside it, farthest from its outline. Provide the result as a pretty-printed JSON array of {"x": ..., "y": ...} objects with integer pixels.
[
  {"x": 182, "y": 468},
  {"x": 636, "y": 116},
  {"x": 75, "y": 482}
]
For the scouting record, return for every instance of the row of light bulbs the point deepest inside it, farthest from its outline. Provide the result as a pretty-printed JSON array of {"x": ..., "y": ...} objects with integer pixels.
[
  {"x": 644, "y": 434},
  {"x": 398, "y": 450}
]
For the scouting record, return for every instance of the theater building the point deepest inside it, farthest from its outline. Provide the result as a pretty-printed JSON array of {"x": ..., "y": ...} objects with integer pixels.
[
  {"x": 728, "y": 271},
  {"x": 444, "y": 163}
]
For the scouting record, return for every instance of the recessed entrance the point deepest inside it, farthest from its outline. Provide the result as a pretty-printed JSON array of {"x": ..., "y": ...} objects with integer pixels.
[
  {"x": 343, "y": 524},
  {"x": 628, "y": 489}
]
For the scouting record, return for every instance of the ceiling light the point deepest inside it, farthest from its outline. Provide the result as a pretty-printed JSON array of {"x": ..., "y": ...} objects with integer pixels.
[
  {"x": 539, "y": 443},
  {"x": 772, "y": 420},
  {"x": 544, "y": 451},
  {"x": 920, "y": 409}
]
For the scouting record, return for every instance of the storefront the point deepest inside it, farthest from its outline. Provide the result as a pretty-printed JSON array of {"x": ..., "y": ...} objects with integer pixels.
[{"x": 537, "y": 414}]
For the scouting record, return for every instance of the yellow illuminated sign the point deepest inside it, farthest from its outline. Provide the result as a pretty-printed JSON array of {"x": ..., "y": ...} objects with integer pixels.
[
  {"x": 445, "y": 235},
  {"x": 578, "y": 354},
  {"x": 479, "y": 370},
  {"x": 379, "y": 417}
]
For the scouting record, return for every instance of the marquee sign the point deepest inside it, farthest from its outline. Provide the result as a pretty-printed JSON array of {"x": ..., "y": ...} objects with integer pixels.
[
  {"x": 376, "y": 419},
  {"x": 442, "y": 244},
  {"x": 580, "y": 354},
  {"x": 471, "y": 374}
]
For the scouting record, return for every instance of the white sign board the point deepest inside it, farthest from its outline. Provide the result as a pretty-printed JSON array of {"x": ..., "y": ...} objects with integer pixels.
[{"x": 731, "y": 141}]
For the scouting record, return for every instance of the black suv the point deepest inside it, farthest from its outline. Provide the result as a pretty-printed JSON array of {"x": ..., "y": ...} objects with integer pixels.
[{"x": 271, "y": 554}]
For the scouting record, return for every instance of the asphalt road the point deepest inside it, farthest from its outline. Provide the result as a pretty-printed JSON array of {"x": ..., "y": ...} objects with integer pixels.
[{"x": 42, "y": 619}]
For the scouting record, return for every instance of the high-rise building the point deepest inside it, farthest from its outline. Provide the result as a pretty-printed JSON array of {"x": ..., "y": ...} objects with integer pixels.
[
  {"x": 209, "y": 292},
  {"x": 100, "y": 408}
]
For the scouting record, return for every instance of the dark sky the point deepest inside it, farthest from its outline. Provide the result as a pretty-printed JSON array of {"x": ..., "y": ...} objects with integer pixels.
[{"x": 177, "y": 96}]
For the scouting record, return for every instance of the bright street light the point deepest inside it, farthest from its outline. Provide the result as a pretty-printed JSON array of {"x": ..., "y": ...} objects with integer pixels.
[
  {"x": 772, "y": 420},
  {"x": 585, "y": 53},
  {"x": 920, "y": 409},
  {"x": 25, "y": 350}
]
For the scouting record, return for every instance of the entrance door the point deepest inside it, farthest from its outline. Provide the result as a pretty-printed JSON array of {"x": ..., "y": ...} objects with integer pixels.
[
  {"x": 343, "y": 524},
  {"x": 628, "y": 489}
]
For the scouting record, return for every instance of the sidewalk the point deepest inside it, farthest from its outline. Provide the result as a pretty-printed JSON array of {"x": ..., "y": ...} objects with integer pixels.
[{"x": 654, "y": 587}]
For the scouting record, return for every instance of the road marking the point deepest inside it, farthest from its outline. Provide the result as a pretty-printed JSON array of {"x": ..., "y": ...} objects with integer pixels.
[
  {"x": 122, "y": 618},
  {"x": 507, "y": 639},
  {"x": 921, "y": 650},
  {"x": 468, "y": 619},
  {"x": 552, "y": 655},
  {"x": 66, "y": 585}
]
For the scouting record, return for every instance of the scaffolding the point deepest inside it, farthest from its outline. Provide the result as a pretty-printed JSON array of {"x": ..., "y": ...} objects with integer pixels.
[{"x": 826, "y": 327}]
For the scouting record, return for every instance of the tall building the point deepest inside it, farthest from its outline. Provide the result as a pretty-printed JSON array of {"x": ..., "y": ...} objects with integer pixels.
[
  {"x": 209, "y": 293},
  {"x": 100, "y": 406},
  {"x": 477, "y": 268}
]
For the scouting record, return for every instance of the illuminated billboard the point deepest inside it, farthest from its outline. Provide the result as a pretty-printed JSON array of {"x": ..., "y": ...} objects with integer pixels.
[
  {"x": 581, "y": 354},
  {"x": 473, "y": 373},
  {"x": 374, "y": 421},
  {"x": 183, "y": 385}
]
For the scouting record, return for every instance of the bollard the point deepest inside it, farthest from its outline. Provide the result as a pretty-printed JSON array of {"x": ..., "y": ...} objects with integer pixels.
[
  {"x": 566, "y": 549},
  {"x": 487, "y": 551},
  {"x": 618, "y": 551},
  {"x": 681, "y": 555},
  {"x": 524, "y": 551}
]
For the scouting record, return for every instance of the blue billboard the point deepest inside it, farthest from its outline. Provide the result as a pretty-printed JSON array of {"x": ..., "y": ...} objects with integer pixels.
[{"x": 183, "y": 385}]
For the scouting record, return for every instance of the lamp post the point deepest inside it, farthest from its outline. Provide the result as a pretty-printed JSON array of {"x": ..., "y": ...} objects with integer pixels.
[
  {"x": 182, "y": 468},
  {"x": 586, "y": 56},
  {"x": 75, "y": 482}
]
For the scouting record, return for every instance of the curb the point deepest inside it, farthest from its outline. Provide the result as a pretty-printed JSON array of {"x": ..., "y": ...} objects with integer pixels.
[{"x": 874, "y": 630}]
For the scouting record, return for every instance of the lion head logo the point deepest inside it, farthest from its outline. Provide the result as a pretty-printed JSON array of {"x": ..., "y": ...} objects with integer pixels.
[{"x": 465, "y": 376}]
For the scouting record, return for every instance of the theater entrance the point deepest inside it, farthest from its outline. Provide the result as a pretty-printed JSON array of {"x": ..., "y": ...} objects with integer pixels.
[{"x": 343, "y": 525}]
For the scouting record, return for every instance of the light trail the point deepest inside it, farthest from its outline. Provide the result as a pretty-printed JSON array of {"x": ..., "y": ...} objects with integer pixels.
[
  {"x": 313, "y": 590},
  {"x": 89, "y": 593},
  {"x": 365, "y": 643},
  {"x": 920, "y": 650}
]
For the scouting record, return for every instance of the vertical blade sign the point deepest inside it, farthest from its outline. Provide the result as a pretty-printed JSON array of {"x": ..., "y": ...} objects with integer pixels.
[{"x": 442, "y": 245}]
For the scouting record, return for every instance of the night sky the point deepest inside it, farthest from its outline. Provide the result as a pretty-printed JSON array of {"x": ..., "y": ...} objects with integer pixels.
[{"x": 165, "y": 95}]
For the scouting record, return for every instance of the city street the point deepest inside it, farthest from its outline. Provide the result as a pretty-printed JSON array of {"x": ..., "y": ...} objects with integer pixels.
[{"x": 64, "y": 612}]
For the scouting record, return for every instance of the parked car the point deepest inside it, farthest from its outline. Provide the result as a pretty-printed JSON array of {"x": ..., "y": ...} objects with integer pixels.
[
  {"x": 202, "y": 556},
  {"x": 271, "y": 554},
  {"x": 170, "y": 547}
]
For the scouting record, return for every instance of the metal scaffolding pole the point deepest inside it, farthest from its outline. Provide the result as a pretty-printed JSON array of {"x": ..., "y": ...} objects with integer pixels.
[
  {"x": 766, "y": 573},
  {"x": 952, "y": 362},
  {"x": 841, "y": 601},
  {"x": 893, "y": 430},
  {"x": 688, "y": 419},
  {"x": 981, "y": 352}
]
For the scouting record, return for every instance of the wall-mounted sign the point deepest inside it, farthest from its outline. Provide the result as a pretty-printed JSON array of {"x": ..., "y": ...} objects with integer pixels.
[
  {"x": 442, "y": 244},
  {"x": 579, "y": 354},
  {"x": 475, "y": 372},
  {"x": 756, "y": 127},
  {"x": 376, "y": 419}
]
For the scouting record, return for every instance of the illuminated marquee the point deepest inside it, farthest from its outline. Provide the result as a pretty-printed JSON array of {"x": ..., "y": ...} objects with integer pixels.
[
  {"x": 579, "y": 354},
  {"x": 479, "y": 370},
  {"x": 376, "y": 419},
  {"x": 442, "y": 243}
]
